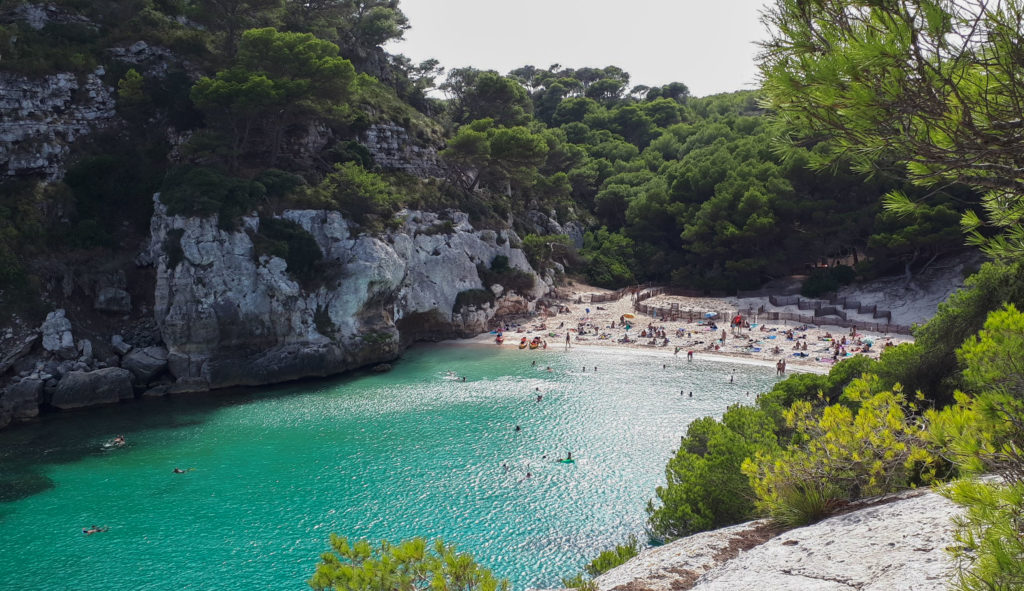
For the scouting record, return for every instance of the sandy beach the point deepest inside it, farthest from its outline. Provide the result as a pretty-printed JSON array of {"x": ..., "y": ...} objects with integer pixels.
[{"x": 601, "y": 325}]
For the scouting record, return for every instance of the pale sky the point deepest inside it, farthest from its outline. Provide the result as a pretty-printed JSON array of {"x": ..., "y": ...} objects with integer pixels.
[{"x": 706, "y": 44}]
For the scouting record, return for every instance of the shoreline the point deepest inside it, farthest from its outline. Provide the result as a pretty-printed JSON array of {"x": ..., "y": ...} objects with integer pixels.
[{"x": 753, "y": 345}]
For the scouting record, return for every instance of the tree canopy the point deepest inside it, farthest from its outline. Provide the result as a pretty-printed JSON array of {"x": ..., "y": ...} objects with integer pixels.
[{"x": 932, "y": 84}]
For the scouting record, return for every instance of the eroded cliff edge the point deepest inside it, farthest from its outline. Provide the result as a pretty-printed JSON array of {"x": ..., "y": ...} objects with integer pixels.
[
  {"x": 231, "y": 317},
  {"x": 227, "y": 314},
  {"x": 893, "y": 543}
]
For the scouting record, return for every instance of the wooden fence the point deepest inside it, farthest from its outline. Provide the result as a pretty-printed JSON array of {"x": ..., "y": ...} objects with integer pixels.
[{"x": 831, "y": 312}]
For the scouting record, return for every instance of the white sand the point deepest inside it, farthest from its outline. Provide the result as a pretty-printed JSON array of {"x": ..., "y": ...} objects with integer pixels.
[{"x": 751, "y": 344}]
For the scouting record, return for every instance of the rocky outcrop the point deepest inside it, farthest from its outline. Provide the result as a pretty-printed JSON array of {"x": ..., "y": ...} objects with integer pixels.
[
  {"x": 894, "y": 543},
  {"x": 41, "y": 116},
  {"x": 57, "y": 337},
  {"x": 145, "y": 364},
  {"x": 230, "y": 317},
  {"x": 87, "y": 388},
  {"x": 393, "y": 149},
  {"x": 114, "y": 300}
]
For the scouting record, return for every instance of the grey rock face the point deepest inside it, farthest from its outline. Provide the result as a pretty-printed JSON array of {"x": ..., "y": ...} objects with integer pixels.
[
  {"x": 103, "y": 386},
  {"x": 232, "y": 319},
  {"x": 24, "y": 398},
  {"x": 112, "y": 299},
  {"x": 392, "y": 148},
  {"x": 117, "y": 342},
  {"x": 896, "y": 544},
  {"x": 41, "y": 116},
  {"x": 57, "y": 337},
  {"x": 145, "y": 364}
]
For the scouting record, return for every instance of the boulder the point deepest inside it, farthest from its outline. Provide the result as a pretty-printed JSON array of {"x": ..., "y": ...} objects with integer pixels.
[
  {"x": 85, "y": 347},
  {"x": 103, "y": 386},
  {"x": 117, "y": 342},
  {"x": 112, "y": 299},
  {"x": 23, "y": 398},
  {"x": 57, "y": 337},
  {"x": 145, "y": 364}
]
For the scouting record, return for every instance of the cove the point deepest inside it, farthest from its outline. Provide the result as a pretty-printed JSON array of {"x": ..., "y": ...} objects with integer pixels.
[{"x": 395, "y": 455}]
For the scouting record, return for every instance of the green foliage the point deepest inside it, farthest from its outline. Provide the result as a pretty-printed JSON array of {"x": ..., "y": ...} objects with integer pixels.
[
  {"x": 484, "y": 154},
  {"x": 288, "y": 240},
  {"x": 609, "y": 257},
  {"x": 172, "y": 247},
  {"x": 705, "y": 488},
  {"x": 131, "y": 89},
  {"x": 988, "y": 537},
  {"x": 472, "y": 298},
  {"x": 356, "y": 192},
  {"x": 841, "y": 455},
  {"x": 854, "y": 72},
  {"x": 610, "y": 559},
  {"x": 540, "y": 250},
  {"x": 579, "y": 581},
  {"x": 277, "y": 79},
  {"x": 983, "y": 432},
  {"x": 510, "y": 278},
  {"x": 412, "y": 565},
  {"x": 825, "y": 281},
  {"x": 930, "y": 364},
  {"x": 208, "y": 191}
]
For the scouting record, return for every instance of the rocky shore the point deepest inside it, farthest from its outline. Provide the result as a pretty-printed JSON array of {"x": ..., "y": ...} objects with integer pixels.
[{"x": 893, "y": 543}]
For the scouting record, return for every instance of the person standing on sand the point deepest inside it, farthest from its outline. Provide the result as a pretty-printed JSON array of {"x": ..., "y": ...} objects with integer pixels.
[{"x": 568, "y": 344}]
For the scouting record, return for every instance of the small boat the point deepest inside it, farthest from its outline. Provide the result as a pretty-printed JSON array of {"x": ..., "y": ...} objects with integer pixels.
[
  {"x": 499, "y": 339},
  {"x": 534, "y": 345},
  {"x": 522, "y": 343}
]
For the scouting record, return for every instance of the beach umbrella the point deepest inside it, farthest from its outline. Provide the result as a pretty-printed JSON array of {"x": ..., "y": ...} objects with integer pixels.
[
  {"x": 710, "y": 314},
  {"x": 628, "y": 316}
]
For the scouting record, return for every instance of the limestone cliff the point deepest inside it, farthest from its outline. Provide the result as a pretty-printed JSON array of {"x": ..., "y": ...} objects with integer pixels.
[
  {"x": 44, "y": 115},
  {"x": 231, "y": 317},
  {"x": 894, "y": 543}
]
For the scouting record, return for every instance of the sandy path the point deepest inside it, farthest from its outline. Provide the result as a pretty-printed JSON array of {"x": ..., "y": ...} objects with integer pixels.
[{"x": 753, "y": 344}]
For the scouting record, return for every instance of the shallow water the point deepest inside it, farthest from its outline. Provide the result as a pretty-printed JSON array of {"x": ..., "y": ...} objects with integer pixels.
[{"x": 392, "y": 455}]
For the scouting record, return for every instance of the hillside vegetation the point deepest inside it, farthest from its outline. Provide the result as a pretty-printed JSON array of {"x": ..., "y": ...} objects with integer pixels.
[{"x": 670, "y": 188}]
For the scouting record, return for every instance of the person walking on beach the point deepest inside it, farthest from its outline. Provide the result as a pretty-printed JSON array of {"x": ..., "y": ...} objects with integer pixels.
[{"x": 568, "y": 344}]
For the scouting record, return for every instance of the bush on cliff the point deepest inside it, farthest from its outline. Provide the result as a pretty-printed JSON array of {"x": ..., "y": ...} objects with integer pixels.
[
  {"x": 839, "y": 455},
  {"x": 290, "y": 241},
  {"x": 412, "y": 565},
  {"x": 705, "y": 488},
  {"x": 983, "y": 431}
]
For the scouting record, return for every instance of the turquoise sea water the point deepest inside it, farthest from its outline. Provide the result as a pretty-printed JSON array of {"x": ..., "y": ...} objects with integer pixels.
[{"x": 392, "y": 455}]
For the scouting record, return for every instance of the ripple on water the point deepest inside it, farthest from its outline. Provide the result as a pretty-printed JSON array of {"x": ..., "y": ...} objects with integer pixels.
[{"x": 381, "y": 456}]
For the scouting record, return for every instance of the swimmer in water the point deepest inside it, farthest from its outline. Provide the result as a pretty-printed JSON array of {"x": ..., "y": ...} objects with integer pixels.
[
  {"x": 540, "y": 397},
  {"x": 180, "y": 471},
  {"x": 517, "y": 429}
]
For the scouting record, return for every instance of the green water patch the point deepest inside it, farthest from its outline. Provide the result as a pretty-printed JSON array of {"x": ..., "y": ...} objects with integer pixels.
[{"x": 416, "y": 451}]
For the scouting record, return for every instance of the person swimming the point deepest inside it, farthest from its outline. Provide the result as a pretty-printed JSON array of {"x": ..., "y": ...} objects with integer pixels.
[
  {"x": 93, "y": 530},
  {"x": 517, "y": 429},
  {"x": 180, "y": 471}
]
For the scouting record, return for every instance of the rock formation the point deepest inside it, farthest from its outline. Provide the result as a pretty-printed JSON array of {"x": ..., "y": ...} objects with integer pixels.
[
  {"x": 889, "y": 544},
  {"x": 230, "y": 317}
]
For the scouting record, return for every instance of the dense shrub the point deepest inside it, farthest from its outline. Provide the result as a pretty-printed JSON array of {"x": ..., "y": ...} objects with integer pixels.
[
  {"x": 288, "y": 240},
  {"x": 510, "y": 278},
  {"x": 610, "y": 559},
  {"x": 472, "y": 298},
  {"x": 207, "y": 191},
  {"x": 705, "y": 488},
  {"x": 930, "y": 364},
  {"x": 840, "y": 455},
  {"x": 356, "y": 192},
  {"x": 413, "y": 565}
]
